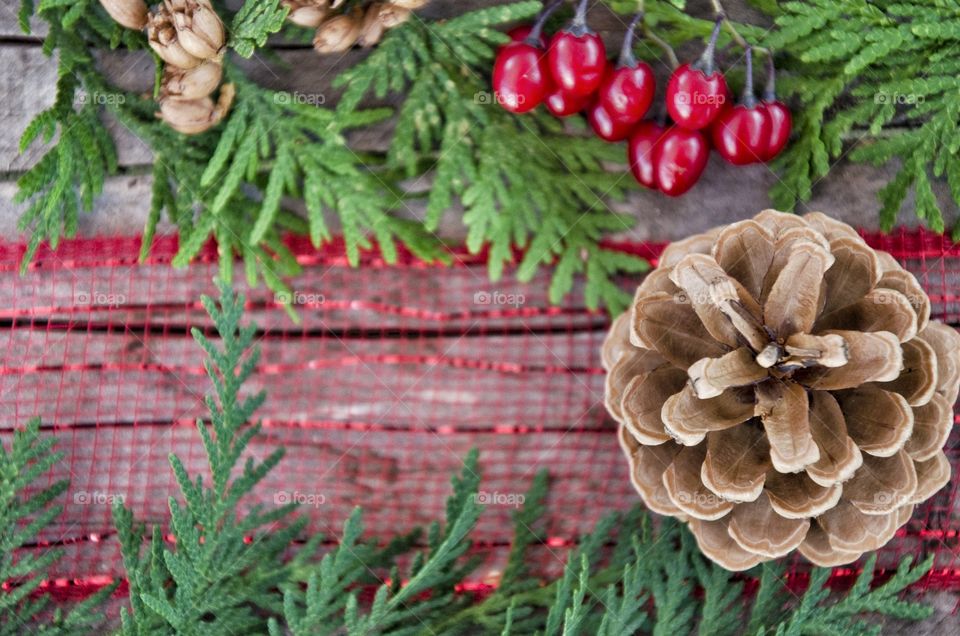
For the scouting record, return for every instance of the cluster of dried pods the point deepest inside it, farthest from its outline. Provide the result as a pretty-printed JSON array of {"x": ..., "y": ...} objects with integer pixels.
[
  {"x": 189, "y": 37},
  {"x": 780, "y": 385},
  {"x": 339, "y": 28}
]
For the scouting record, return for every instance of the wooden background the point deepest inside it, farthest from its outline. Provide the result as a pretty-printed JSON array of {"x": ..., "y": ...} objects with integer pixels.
[{"x": 26, "y": 87}]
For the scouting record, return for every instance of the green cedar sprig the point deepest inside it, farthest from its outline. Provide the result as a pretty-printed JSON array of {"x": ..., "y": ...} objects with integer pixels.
[
  {"x": 876, "y": 83},
  {"x": 26, "y": 509}
]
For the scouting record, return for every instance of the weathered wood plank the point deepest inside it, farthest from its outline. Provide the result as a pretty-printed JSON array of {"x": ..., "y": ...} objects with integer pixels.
[
  {"x": 401, "y": 478},
  {"x": 547, "y": 381}
]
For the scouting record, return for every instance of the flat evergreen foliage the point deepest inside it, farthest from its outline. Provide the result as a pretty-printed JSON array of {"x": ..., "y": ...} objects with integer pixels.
[{"x": 233, "y": 567}]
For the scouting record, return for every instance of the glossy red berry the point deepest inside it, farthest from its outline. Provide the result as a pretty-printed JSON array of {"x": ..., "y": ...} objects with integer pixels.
[
  {"x": 563, "y": 104},
  {"x": 741, "y": 134},
  {"x": 781, "y": 124},
  {"x": 608, "y": 127},
  {"x": 521, "y": 79},
  {"x": 679, "y": 159},
  {"x": 628, "y": 90},
  {"x": 780, "y": 120},
  {"x": 640, "y": 152},
  {"x": 577, "y": 57},
  {"x": 697, "y": 93}
]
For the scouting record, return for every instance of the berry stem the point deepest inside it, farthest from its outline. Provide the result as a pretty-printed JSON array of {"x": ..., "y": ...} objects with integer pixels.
[
  {"x": 533, "y": 39},
  {"x": 770, "y": 90},
  {"x": 749, "y": 99},
  {"x": 627, "y": 58},
  {"x": 578, "y": 26},
  {"x": 667, "y": 49},
  {"x": 707, "y": 59},
  {"x": 742, "y": 43}
]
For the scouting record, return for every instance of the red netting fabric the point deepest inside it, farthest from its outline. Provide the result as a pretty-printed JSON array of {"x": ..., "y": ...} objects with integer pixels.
[{"x": 394, "y": 373}]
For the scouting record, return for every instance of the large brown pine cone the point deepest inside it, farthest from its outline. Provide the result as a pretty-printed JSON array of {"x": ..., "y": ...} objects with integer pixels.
[{"x": 779, "y": 384}]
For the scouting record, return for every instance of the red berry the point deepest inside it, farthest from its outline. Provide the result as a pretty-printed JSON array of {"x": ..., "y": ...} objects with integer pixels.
[
  {"x": 577, "y": 56},
  {"x": 521, "y": 79},
  {"x": 697, "y": 93},
  {"x": 607, "y": 126},
  {"x": 640, "y": 152},
  {"x": 741, "y": 134},
  {"x": 563, "y": 104},
  {"x": 679, "y": 159},
  {"x": 694, "y": 99},
  {"x": 780, "y": 126},
  {"x": 628, "y": 90}
]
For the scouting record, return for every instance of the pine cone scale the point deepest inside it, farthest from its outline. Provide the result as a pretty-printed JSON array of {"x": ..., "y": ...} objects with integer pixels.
[
  {"x": 879, "y": 421},
  {"x": 757, "y": 528},
  {"x": 801, "y": 396}
]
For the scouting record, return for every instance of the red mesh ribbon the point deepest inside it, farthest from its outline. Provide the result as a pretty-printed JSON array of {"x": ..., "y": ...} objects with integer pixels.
[{"x": 392, "y": 376}]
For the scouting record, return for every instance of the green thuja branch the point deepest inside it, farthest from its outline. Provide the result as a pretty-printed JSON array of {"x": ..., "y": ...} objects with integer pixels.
[
  {"x": 874, "y": 82},
  {"x": 26, "y": 509},
  {"x": 223, "y": 573},
  {"x": 254, "y": 23}
]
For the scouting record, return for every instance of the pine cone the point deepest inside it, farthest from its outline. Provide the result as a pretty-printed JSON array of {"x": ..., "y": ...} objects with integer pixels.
[{"x": 779, "y": 384}]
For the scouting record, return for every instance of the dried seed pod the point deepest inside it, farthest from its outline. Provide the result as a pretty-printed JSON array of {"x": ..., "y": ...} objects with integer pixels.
[
  {"x": 373, "y": 27},
  {"x": 379, "y": 17},
  {"x": 164, "y": 39},
  {"x": 339, "y": 33},
  {"x": 780, "y": 385},
  {"x": 194, "y": 83},
  {"x": 194, "y": 116},
  {"x": 307, "y": 13},
  {"x": 129, "y": 13},
  {"x": 199, "y": 29}
]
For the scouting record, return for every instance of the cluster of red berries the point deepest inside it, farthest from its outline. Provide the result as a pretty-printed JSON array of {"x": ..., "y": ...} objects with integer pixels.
[{"x": 571, "y": 74}]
